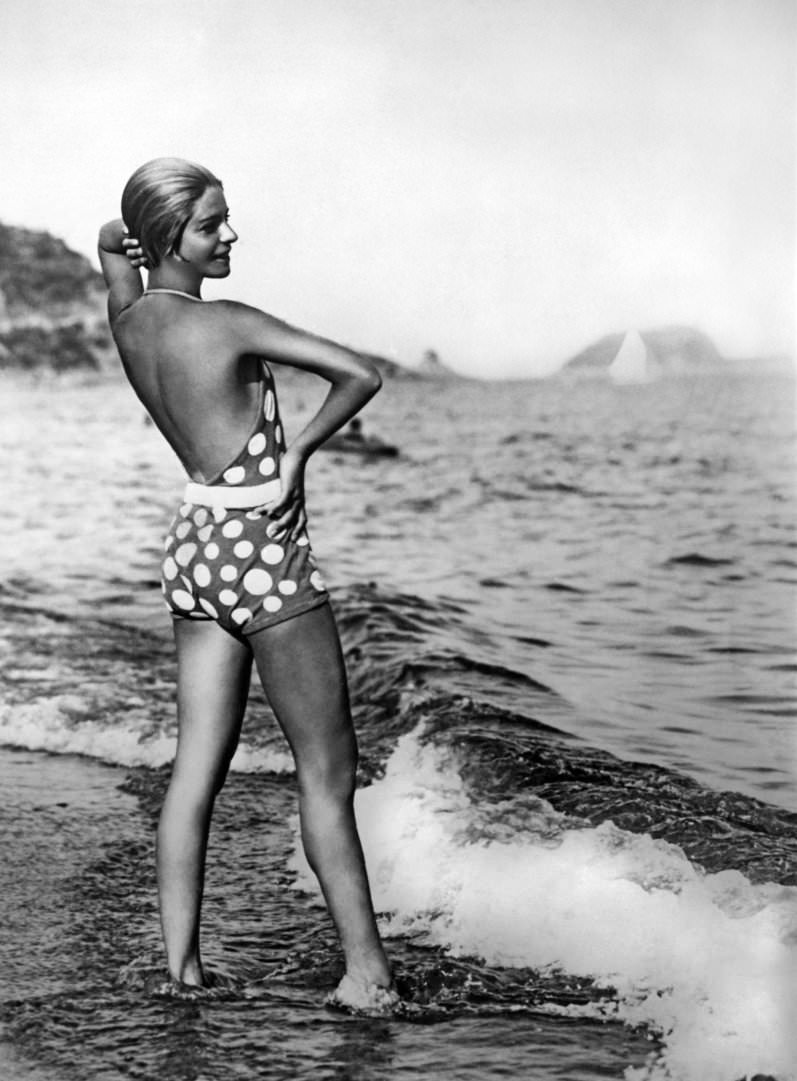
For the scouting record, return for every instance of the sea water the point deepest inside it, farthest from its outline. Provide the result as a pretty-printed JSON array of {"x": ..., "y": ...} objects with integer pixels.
[{"x": 569, "y": 623}]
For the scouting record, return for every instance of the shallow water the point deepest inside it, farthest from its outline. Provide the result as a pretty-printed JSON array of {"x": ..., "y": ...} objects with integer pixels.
[{"x": 568, "y": 615}]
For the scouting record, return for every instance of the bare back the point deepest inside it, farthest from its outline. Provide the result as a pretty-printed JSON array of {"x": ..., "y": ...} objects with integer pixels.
[{"x": 187, "y": 369}]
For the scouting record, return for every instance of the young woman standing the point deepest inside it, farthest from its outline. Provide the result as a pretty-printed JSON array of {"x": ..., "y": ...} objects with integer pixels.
[{"x": 239, "y": 575}]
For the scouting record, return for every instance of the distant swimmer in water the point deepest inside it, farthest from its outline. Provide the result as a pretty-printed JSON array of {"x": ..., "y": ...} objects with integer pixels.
[
  {"x": 354, "y": 431},
  {"x": 238, "y": 575},
  {"x": 353, "y": 440}
]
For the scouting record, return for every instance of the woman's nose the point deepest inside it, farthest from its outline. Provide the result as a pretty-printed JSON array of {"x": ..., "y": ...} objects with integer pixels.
[{"x": 229, "y": 235}]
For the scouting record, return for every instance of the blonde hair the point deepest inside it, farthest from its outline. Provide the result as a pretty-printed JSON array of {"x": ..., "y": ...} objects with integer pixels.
[{"x": 159, "y": 199}]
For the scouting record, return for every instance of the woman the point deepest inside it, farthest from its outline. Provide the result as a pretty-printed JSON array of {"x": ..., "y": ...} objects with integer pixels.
[{"x": 239, "y": 576}]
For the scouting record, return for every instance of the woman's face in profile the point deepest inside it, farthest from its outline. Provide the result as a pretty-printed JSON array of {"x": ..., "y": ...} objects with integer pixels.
[{"x": 207, "y": 236}]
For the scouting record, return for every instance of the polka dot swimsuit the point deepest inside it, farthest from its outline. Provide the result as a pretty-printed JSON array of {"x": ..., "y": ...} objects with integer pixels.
[{"x": 221, "y": 565}]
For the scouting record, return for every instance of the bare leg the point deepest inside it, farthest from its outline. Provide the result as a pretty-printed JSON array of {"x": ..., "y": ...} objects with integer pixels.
[
  {"x": 301, "y": 668},
  {"x": 213, "y": 672}
]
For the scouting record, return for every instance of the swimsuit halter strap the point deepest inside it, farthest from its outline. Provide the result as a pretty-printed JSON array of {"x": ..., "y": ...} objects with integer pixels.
[{"x": 174, "y": 292}]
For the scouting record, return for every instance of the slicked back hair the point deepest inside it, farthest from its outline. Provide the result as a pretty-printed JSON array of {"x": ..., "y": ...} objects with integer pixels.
[{"x": 159, "y": 199}]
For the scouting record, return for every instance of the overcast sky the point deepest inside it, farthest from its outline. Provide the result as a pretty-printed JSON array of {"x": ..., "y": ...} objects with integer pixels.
[{"x": 501, "y": 180}]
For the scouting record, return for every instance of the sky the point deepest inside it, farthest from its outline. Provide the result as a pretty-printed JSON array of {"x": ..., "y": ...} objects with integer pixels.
[{"x": 503, "y": 181}]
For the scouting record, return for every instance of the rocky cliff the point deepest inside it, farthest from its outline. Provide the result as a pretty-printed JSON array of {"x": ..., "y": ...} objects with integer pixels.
[{"x": 52, "y": 306}]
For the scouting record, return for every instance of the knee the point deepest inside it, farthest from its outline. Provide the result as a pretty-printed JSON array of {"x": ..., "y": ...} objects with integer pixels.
[
  {"x": 192, "y": 796},
  {"x": 329, "y": 776},
  {"x": 221, "y": 774}
]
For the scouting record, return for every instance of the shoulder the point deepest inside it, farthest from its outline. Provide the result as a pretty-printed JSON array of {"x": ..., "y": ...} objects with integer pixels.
[
  {"x": 121, "y": 298},
  {"x": 251, "y": 327},
  {"x": 237, "y": 313},
  {"x": 121, "y": 308},
  {"x": 123, "y": 281}
]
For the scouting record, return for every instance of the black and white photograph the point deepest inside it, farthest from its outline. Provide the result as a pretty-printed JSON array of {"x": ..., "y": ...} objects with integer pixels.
[{"x": 398, "y": 622}]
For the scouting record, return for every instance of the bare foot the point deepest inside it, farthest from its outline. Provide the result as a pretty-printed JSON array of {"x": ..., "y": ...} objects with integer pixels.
[
  {"x": 172, "y": 988},
  {"x": 366, "y": 999},
  {"x": 213, "y": 987}
]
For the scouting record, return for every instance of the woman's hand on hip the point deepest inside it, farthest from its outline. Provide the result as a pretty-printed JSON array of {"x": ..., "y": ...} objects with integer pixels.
[{"x": 288, "y": 515}]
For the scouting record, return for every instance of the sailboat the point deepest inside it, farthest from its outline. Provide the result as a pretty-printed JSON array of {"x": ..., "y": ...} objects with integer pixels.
[{"x": 632, "y": 364}]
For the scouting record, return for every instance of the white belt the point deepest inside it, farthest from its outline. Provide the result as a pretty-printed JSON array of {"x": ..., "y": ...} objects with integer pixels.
[{"x": 231, "y": 497}]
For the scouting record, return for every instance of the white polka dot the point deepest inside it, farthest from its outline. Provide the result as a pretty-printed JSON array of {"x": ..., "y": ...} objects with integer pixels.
[
  {"x": 211, "y": 611},
  {"x": 254, "y": 515},
  {"x": 201, "y": 516},
  {"x": 257, "y": 444},
  {"x": 219, "y": 514},
  {"x": 233, "y": 528},
  {"x": 243, "y": 549},
  {"x": 316, "y": 581},
  {"x": 240, "y": 615},
  {"x": 257, "y": 582},
  {"x": 269, "y": 405},
  {"x": 267, "y": 467},
  {"x": 302, "y": 540},
  {"x": 272, "y": 604},
  {"x": 288, "y": 588},
  {"x": 185, "y": 510},
  {"x": 186, "y": 582},
  {"x": 169, "y": 568},
  {"x": 234, "y": 475},
  {"x": 185, "y": 553},
  {"x": 228, "y": 597},
  {"x": 272, "y": 553},
  {"x": 211, "y": 551},
  {"x": 228, "y": 573},
  {"x": 183, "y": 600},
  {"x": 201, "y": 575},
  {"x": 205, "y": 532},
  {"x": 278, "y": 434},
  {"x": 168, "y": 543},
  {"x": 183, "y": 529}
]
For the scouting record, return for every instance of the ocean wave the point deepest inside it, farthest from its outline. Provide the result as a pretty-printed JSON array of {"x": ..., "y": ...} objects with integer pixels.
[
  {"x": 706, "y": 961},
  {"x": 57, "y": 725}
]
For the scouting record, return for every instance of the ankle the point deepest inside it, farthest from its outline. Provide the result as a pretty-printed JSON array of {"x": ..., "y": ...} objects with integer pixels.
[
  {"x": 191, "y": 974},
  {"x": 370, "y": 972}
]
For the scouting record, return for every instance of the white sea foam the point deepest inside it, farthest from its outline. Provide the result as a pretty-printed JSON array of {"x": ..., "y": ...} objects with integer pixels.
[
  {"x": 708, "y": 961},
  {"x": 59, "y": 725}
]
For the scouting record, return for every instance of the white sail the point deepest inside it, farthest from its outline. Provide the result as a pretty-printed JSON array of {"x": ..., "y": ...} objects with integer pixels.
[{"x": 632, "y": 364}]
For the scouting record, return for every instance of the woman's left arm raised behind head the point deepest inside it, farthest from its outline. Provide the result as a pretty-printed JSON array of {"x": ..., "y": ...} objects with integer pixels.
[{"x": 119, "y": 267}]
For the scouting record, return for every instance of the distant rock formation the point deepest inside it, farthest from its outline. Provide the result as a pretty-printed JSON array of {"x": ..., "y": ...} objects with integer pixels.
[
  {"x": 390, "y": 369},
  {"x": 432, "y": 366},
  {"x": 52, "y": 306},
  {"x": 673, "y": 350}
]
